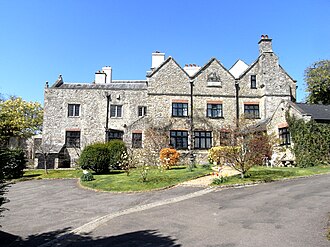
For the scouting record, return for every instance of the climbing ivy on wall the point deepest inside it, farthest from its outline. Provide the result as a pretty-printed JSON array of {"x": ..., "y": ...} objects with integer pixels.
[{"x": 311, "y": 142}]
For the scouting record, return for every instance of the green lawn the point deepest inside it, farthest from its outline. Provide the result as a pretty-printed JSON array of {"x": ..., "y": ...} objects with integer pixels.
[
  {"x": 120, "y": 182},
  {"x": 40, "y": 174},
  {"x": 267, "y": 174},
  {"x": 155, "y": 179}
]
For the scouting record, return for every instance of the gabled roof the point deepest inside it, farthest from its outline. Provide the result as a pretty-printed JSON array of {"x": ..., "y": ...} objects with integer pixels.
[
  {"x": 238, "y": 68},
  {"x": 208, "y": 64},
  {"x": 163, "y": 64},
  {"x": 283, "y": 70},
  {"x": 316, "y": 111},
  {"x": 58, "y": 82},
  {"x": 250, "y": 67}
]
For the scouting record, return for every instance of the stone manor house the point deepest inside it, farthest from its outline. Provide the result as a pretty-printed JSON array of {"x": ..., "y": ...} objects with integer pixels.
[{"x": 171, "y": 97}]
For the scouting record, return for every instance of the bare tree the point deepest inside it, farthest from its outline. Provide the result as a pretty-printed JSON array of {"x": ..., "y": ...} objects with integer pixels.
[{"x": 45, "y": 148}]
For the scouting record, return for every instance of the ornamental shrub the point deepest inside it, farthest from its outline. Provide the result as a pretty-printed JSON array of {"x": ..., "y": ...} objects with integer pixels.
[
  {"x": 169, "y": 157},
  {"x": 95, "y": 157},
  {"x": 12, "y": 163},
  {"x": 102, "y": 157},
  {"x": 87, "y": 176},
  {"x": 115, "y": 148}
]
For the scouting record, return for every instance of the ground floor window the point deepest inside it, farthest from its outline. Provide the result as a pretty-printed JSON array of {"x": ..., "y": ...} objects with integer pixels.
[
  {"x": 284, "y": 136},
  {"x": 179, "y": 139},
  {"x": 115, "y": 135},
  {"x": 72, "y": 139},
  {"x": 137, "y": 140},
  {"x": 202, "y": 139}
]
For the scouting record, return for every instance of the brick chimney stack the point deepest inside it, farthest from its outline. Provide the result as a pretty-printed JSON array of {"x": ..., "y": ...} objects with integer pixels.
[{"x": 265, "y": 44}]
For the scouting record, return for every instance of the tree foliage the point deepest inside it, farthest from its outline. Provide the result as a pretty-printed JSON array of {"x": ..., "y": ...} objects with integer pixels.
[
  {"x": 317, "y": 78},
  {"x": 311, "y": 142},
  {"x": 19, "y": 118}
]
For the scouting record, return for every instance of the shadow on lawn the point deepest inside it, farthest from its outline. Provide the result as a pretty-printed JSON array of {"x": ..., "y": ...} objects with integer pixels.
[{"x": 138, "y": 238}]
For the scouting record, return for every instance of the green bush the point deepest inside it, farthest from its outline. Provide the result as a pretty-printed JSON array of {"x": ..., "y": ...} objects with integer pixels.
[
  {"x": 12, "y": 163},
  {"x": 95, "y": 157},
  {"x": 87, "y": 176},
  {"x": 219, "y": 180},
  {"x": 116, "y": 148},
  {"x": 102, "y": 157}
]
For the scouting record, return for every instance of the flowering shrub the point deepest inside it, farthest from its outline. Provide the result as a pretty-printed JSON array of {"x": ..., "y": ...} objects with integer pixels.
[
  {"x": 127, "y": 162},
  {"x": 168, "y": 157}
]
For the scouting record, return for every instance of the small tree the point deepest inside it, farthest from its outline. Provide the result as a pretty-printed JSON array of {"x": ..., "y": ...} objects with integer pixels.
[
  {"x": 19, "y": 118},
  {"x": 248, "y": 151},
  {"x": 44, "y": 149}
]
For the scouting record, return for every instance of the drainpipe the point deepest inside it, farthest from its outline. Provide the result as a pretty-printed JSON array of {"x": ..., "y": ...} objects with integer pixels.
[
  {"x": 191, "y": 130},
  {"x": 107, "y": 119},
  {"x": 237, "y": 102}
]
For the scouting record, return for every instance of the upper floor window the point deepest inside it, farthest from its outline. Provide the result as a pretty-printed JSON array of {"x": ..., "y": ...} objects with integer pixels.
[
  {"x": 179, "y": 109},
  {"x": 137, "y": 140},
  {"x": 179, "y": 139},
  {"x": 72, "y": 139},
  {"x": 203, "y": 139},
  {"x": 73, "y": 110},
  {"x": 142, "y": 111},
  {"x": 284, "y": 136},
  {"x": 253, "y": 79},
  {"x": 214, "y": 110},
  {"x": 251, "y": 111},
  {"x": 116, "y": 111}
]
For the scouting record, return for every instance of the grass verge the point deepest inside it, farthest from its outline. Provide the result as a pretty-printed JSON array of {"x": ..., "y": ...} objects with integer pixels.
[{"x": 267, "y": 174}]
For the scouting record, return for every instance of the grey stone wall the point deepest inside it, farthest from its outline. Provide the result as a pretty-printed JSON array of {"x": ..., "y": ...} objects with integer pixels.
[{"x": 165, "y": 85}]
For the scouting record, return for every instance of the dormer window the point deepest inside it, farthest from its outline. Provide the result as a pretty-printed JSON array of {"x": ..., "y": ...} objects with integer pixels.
[{"x": 253, "y": 80}]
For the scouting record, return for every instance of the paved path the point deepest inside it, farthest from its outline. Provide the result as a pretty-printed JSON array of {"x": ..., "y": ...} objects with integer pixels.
[{"x": 182, "y": 216}]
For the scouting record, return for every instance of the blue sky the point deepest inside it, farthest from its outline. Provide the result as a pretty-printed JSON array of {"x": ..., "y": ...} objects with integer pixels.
[{"x": 41, "y": 39}]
